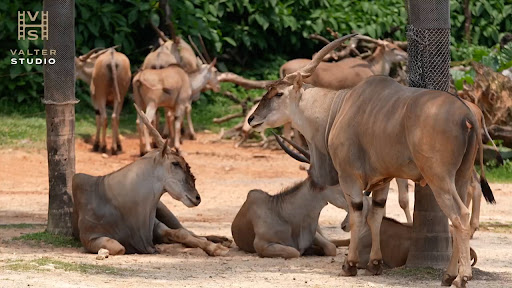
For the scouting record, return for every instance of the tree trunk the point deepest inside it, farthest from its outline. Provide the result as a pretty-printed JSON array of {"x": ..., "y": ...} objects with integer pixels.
[
  {"x": 429, "y": 67},
  {"x": 467, "y": 23},
  {"x": 59, "y": 97}
]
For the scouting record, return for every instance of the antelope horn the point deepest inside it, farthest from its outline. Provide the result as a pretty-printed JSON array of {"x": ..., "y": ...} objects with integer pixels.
[
  {"x": 310, "y": 68},
  {"x": 104, "y": 50},
  {"x": 204, "y": 49},
  {"x": 84, "y": 57},
  {"x": 319, "y": 38},
  {"x": 159, "y": 140},
  {"x": 159, "y": 32},
  {"x": 288, "y": 151},
  {"x": 369, "y": 39},
  {"x": 197, "y": 50},
  {"x": 298, "y": 147}
]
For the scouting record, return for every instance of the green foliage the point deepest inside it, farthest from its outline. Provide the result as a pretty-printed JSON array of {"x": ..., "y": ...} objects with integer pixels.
[
  {"x": 50, "y": 239},
  {"x": 502, "y": 174},
  {"x": 490, "y": 20}
]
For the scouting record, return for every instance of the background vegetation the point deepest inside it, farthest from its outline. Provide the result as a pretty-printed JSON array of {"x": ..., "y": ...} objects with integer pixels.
[{"x": 252, "y": 38}]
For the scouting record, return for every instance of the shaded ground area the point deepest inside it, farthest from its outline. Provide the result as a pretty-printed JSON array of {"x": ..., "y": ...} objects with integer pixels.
[{"x": 224, "y": 176}]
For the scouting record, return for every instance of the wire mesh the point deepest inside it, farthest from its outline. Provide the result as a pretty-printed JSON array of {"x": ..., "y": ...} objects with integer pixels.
[
  {"x": 59, "y": 78},
  {"x": 428, "y": 36}
]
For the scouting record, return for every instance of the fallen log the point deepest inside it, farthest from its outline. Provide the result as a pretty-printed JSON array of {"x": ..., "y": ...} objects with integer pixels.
[
  {"x": 503, "y": 133},
  {"x": 241, "y": 81}
]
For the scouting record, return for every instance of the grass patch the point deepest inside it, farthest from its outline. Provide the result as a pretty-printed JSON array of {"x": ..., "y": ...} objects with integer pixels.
[
  {"x": 496, "y": 227},
  {"x": 427, "y": 273},
  {"x": 20, "y": 226},
  {"x": 46, "y": 263},
  {"x": 49, "y": 239},
  {"x": 499, "y": 174}
]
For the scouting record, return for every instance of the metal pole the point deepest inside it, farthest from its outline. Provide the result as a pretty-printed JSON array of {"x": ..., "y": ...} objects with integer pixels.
[
  {"x": 428, "y": 36},
  {"x": 59, "y": 97}
]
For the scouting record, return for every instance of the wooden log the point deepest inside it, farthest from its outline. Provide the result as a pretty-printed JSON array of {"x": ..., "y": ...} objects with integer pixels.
[{"x": 228, "y": 117}]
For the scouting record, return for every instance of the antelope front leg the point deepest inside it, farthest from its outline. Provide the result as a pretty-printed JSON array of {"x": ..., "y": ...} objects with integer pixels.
[
  {"x": 178, "y": 119},
  {"x": 327, "y": 246},
  {"x": 354, "y": 196},
  {"x": 374, "y": 221},
  {"x": 186, "y": 238},
  {"x": 189, "y": 121}
]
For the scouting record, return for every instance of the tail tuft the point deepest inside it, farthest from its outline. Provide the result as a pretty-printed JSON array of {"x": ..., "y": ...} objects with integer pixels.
[
  {"x": 486, "y": 190},
  {"x": 499, "y": 158}
]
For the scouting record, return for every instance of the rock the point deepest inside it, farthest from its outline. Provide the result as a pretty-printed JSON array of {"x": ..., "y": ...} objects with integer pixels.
[
  {"x": 104, "y": 155},
  {"x": 102, "y": 254}
]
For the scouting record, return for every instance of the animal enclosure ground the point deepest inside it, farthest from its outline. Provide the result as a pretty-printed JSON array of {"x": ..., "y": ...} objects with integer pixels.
[{"x": 224, "y": 176}]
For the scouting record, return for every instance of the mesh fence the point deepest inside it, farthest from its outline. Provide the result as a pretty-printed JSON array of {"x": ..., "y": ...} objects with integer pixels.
[
  {"x": 59, "y": 78},
  {"x": 428, "y": 36}
]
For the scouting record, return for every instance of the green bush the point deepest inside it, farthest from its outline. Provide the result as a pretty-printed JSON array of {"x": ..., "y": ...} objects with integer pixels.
[{"x": 251, "y": 38}]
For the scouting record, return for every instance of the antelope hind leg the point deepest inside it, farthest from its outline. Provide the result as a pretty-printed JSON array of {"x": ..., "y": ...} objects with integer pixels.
[
  {"x": 273, "y": 250},
  {"x": 113, "y": 247}
]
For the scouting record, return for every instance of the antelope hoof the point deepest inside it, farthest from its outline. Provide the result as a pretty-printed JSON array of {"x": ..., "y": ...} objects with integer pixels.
[
  {"x": 119, "y": 147},
  {"x": 460, "y": 282},
  {"x": 447, "y": 280},
  {"x": 374, "y": 267},
  {"x": 193, "y": 137},
  {"x": 96, "y": 147},
  {"x": 113, "y": 151},
  {"x": 142, "y": 153},
  {"x": 349, "y": 269},
  {"x": 216, "y": 250},
  {"x": 153, "y": 145},
  {"x": 103, "y": 149}
]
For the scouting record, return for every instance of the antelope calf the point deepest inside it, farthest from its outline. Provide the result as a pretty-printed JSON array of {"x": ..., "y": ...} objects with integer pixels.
[{"x": 108, "y": 75}]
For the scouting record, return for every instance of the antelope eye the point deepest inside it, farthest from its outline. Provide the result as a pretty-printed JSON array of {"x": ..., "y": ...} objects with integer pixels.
[
  {"x": 176, "y": 164},
  {"x": 279, "y": 94}
]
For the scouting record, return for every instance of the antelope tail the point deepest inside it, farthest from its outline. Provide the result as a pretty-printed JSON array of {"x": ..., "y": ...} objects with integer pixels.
[
  {"x": 486, "y": 190},
  {"x": 498, "y": 154},
  {"x": 114, "y": 75}
]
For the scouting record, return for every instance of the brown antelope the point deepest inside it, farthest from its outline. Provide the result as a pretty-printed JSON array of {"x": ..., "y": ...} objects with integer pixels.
[
  {"x": 349, "y": 72},
  {"x": 108, "y": 75},
  {"x": 285, "y": 225},
  {"x": 173, "y": 88},
  {"x": 122, "y": 211},
  {"x": 363, "y": 137}
]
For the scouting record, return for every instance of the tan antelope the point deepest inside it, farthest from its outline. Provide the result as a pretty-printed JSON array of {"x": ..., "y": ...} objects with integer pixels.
[
  {"x": 122, "y": 211},
  {"x": 172, "y": 88},
  {"x": 108, "y": 75},
  {"x": 349, "y": 72},
  {"x": 379, "y": 130},
  {"x": 171, "y": 53}
]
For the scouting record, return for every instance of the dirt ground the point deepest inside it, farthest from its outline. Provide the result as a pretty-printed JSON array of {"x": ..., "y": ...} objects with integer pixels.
[{"x": 224, "y": 176}]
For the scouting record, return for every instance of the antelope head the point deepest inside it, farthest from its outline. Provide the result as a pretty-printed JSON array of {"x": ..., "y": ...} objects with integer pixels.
[
  {"x": 171, "y": 169},
  {"x": 391, "y": 52},
  {"x": 84, "y": 65},
  {"x": 274, "y": 109}
]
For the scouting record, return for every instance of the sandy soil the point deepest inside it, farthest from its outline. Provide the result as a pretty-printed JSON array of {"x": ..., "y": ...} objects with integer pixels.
[{"x": 224, "y": 176}]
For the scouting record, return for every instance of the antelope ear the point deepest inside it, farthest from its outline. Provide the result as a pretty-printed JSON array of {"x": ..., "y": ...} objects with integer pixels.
[
  {"x": 165, "y": 147},
  {"x": 297, "y": 82}
]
